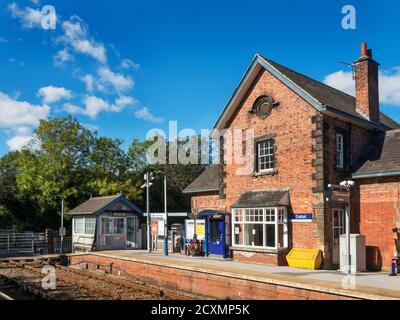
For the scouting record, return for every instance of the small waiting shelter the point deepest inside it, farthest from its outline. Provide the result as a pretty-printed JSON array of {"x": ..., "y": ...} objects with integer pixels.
[
  {"x": 212, "y": 229},
  {"x": 106, "y": 223}
]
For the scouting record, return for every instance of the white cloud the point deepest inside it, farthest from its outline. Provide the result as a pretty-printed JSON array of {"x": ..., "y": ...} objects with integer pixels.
[
  {"x": 124, "y": 101},
  {"x": 53, "y": 94},
  {"x": 118, "y": 81},
  {"x": 76, "y": 36},
  {"x": 129, "y": 64},
  {"x": 89, "y": 82},
  {"x": 30, "y": 18},
  {"x": 18, "y": 118},
  {"x": 19, "y": 142},
  {"x": 94, "y": 105},
  {"x": 62, "y": 57},
  {"x": 342, "y": 81},
  {"x": 3, "y": 40},
  {"x": 145, "y": 114},
  {"x": 14, "y": 113},
  {"x": 389, "y": 84}
]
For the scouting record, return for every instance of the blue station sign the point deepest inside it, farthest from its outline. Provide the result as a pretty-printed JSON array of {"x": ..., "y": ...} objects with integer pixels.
[{"x": 301, "y": 217}]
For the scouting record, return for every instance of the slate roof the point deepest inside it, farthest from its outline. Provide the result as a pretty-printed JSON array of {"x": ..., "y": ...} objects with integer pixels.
[
  {"x": 97, "y": 204},
  {"x": 266, "y": 198},
  {"x": 208, "y": 181},
  {"x": 327, "y": 95},
  {"x": 383, "y": 158}
]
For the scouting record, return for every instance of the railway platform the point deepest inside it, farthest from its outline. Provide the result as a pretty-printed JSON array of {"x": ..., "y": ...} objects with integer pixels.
[{"x": 225, "y": 279}]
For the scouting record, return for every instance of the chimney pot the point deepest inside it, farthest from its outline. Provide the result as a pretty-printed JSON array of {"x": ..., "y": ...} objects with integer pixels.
[{"x": 364, "y": 49}]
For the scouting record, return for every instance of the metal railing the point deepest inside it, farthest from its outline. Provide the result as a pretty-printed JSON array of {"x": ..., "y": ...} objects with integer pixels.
[
  {"x": 67, "y": 244},
  {"x": 28, "y": 242}
]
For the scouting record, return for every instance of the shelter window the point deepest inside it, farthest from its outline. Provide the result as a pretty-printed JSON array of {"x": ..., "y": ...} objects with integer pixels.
[
  {"x": 119, "y": 226},
  {"x": 106, "y": 226},
  {"x": 79, "y": 225},
  {"x": 90, "y": 226}
]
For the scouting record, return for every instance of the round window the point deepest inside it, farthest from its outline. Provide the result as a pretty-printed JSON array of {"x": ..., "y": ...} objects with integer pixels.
[{"x": 263, "y": 106}]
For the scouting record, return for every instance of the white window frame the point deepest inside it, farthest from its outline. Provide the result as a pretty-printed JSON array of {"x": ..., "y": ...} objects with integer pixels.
[
  {"x": 269, "y": 153},
  {"x": 339, "y": 150},
  {"x": 84, "y": 220},
  {"x": 276, "y": 223}
]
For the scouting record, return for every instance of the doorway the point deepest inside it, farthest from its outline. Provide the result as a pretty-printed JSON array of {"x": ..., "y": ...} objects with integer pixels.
[
  {"x": 131, "y": 236},
  {"x": 216, "y": 236},
  {"x": 339, "y": 228}
]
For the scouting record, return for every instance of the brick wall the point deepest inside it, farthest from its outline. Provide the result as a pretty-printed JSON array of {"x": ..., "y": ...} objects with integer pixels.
[
  {"x": 206, "y": 284},
  {"x": 356, "y": 141},
  {"x": 271, "y": 259},
  {"x": 292, "y": 124},
  {"x": 205, "y": 201},
  {"x": 375, "y": 213}
]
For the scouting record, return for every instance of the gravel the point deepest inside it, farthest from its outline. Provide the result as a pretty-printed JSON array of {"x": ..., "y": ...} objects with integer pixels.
[{"x": 72, "y": 286}]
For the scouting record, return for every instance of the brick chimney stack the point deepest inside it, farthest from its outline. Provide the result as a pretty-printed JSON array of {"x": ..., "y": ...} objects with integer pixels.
[{"x": 367, "y": 84}]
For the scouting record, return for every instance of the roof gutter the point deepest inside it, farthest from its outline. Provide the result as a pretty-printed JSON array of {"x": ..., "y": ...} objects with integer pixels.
[
  {"x": 354, "y": 119},
  {"x": 376, "y": 174},
  {"x": 189, "y": 191}
]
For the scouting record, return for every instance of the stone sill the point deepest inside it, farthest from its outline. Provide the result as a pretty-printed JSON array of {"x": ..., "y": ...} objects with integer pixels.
[
  {"x": 260, "y": 250},
  {"x": 265, "y": 173}
]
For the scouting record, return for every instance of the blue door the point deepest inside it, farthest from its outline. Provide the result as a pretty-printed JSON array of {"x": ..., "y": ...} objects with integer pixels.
[{"x": 216, "y": 236}]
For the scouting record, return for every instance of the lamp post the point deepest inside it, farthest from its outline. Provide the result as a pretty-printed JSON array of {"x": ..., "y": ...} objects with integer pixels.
[
  {"x": 62, "y": 227},
  {"x": 165, "y": 212},
  {"x": 148, "y": 177},
  {"x": 166, "y": 216},
  {"x": 348, "y": 184}
]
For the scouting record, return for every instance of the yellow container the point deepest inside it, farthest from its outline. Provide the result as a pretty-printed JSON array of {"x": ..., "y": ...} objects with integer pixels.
[{"x": 305, "y": 258}]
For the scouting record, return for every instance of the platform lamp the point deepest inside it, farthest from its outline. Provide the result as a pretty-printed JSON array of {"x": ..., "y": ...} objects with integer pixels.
[{"x": 348, "y": 184}]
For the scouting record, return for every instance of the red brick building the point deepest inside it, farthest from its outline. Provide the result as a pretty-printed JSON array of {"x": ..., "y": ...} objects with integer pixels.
[{"x": 307, "y": 136}]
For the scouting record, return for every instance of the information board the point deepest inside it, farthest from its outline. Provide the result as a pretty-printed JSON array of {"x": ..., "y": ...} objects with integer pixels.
[
  {"x": 200, "y": 229},
  {"x": 190, "y": 229}
]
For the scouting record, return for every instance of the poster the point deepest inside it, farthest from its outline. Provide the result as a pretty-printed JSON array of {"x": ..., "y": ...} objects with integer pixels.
[
  {"x": 161, "y": 228},
  {"x": 154, "y": 227},
  {"x": 189, "y": 229},
  {"x": 200, "y": 229}
]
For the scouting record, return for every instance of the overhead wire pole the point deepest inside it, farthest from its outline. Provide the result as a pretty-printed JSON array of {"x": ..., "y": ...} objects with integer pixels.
[{"x": 166, "y": 216}]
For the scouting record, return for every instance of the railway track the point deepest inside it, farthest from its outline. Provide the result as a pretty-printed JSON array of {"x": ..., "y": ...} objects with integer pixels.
[
  {"x": 4, "y": 290},
  {"x": 93, "y": 285}
]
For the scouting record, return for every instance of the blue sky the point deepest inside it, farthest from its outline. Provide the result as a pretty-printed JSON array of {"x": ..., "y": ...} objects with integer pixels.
[{"x": 125, "y": 67}]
